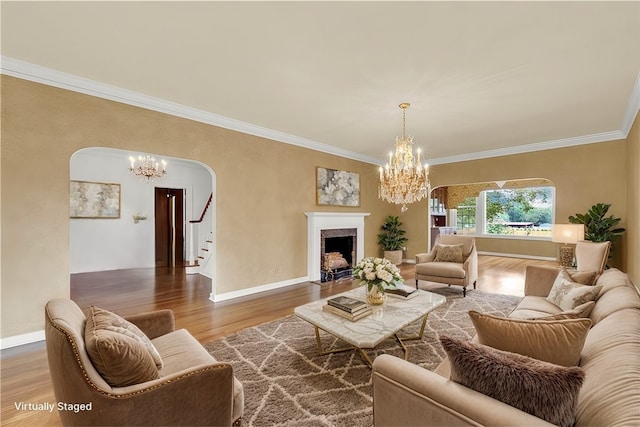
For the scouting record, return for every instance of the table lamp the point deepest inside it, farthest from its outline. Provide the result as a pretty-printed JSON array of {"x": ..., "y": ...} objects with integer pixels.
[{"x": 567, "y": 234}]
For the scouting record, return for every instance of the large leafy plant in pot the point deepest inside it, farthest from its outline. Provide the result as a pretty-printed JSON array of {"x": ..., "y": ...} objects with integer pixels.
[
  {"x": 597, "y": 227},
  {"x": 392, "y": 239}
]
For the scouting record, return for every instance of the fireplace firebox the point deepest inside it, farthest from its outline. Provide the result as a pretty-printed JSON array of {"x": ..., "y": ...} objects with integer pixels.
[{"x": 337, "y": 253}]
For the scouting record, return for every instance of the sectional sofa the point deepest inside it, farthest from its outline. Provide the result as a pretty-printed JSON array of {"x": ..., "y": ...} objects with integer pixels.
[{"x": 406, "y": 394}]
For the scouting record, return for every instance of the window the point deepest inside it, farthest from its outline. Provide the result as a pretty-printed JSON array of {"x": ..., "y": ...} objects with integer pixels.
[
  {"x": 467, "y": 216},
  {"x": 516, "y": 212}
]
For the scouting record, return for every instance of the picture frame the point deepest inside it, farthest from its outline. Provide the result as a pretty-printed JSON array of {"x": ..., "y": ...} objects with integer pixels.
[
  {"x": 95, "y": 200},
  {"x": 337, "y": 188}
]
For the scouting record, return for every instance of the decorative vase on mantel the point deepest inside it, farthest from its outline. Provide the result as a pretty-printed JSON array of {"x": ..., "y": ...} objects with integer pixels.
[{"x": 377, "y": 274}]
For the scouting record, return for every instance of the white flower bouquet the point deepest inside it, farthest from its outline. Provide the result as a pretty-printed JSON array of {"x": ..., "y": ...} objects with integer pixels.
[{"x": 379, "y": 272}]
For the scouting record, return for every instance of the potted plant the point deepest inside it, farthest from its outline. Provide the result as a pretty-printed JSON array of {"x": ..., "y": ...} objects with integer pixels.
[
  {"x": 392, "y": 239},
  {"x": 597, "y": 228}
]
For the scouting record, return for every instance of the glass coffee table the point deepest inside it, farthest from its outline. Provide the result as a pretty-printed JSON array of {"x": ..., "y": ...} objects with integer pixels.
[{"x": 385, "y": 321}]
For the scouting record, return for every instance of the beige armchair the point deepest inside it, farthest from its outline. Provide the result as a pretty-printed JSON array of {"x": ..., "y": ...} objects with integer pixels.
[
  {"x": 453, "y": 260},
  {"x": 192, "y": 388}
]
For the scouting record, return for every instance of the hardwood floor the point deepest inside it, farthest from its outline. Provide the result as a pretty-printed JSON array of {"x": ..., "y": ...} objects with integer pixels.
[{"x": 25, "y": 374}]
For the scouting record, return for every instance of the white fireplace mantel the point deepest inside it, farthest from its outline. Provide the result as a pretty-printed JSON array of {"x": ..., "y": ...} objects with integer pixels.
[{"x": 318, "y": 221}]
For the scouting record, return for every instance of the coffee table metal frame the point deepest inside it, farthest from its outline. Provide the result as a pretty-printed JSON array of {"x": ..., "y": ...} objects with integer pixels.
[{"x": 369, "y": 331}]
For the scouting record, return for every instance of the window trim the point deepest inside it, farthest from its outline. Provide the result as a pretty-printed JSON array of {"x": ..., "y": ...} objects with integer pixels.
[{"x": 509, "y": 237}]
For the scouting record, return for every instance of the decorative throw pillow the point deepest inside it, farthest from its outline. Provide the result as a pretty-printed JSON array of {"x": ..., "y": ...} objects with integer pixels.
[
  {"x": 581, "y": 277},
  {"x": 539, "y": 388},
  {"x": 449, "y": 253},
  {"x": 581, "y": 311},
  {"x": 568, "y": 295},
  {"x": 120, "y": 359},
  {"x": 99, "y": 318},
  {"x": 554, "y": 341},
  {"x": 560, "y": 316}
]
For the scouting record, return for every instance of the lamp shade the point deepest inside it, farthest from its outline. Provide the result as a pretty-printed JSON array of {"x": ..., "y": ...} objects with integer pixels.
[{"x": 567, "y": 233}]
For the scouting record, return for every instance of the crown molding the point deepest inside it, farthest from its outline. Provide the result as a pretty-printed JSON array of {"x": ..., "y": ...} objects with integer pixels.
[
  {"x": 528, "y": 148},
  {"x": 35, "y": 73},
  {"x": 632, "y": 108}
]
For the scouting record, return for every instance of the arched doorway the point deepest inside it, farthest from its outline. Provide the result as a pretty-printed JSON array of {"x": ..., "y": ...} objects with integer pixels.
[{"x": 128, "y": 240}]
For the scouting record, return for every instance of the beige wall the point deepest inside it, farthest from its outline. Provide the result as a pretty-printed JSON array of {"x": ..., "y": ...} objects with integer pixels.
[
  {"x": 263, "y": 189},
  {"x": 261, "y": 200},
  {"x": 632, "y": 235},
  {"x": 583, "y": 175}
]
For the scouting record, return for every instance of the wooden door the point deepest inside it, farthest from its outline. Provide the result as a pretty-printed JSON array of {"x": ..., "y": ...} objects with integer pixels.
[{"x": 169, "y": 227}]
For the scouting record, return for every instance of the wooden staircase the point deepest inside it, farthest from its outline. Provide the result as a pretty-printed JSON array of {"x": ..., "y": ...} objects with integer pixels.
[
  {"x": 203, "y": 238},
  {"x": 203, "y": 256}
]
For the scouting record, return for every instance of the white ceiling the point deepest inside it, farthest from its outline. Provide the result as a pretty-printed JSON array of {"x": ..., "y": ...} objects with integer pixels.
[{"x": 483, "y": 78}]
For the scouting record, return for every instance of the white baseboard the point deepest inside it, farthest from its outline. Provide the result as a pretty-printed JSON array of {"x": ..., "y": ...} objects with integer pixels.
[
  {"x": 257, "y": 289},
  {"x": 17, "y": 340},
  {"x": 541, "y": 258}
]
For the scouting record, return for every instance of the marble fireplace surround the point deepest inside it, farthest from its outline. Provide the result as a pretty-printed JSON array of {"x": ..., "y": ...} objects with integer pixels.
[{"x": 318, "y": 221}]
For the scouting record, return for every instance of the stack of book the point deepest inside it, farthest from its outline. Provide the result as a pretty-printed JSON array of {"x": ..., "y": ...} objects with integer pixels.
[
  {"x": 402, "y": 291},
  {"x": 347, "y": 307}
]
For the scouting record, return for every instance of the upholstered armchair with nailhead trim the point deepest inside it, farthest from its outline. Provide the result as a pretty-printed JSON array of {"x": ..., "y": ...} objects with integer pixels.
[{"x": 191, "y": 388}]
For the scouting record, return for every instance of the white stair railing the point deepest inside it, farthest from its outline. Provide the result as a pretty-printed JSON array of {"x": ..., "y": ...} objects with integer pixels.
[{"x": 201, "y": 238}]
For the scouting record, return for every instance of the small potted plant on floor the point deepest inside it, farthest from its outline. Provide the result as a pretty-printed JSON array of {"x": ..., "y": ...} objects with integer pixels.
[{"x": 392, "y": 239}]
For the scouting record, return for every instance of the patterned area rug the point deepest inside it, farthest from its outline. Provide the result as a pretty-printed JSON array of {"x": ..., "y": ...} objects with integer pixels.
[{"x": 286, "y": 382}]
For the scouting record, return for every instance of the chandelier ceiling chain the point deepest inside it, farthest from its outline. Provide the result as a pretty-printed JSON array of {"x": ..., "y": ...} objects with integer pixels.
[
  {"x": 147, "y": 168},
  {"x": 404, "y": 180}
]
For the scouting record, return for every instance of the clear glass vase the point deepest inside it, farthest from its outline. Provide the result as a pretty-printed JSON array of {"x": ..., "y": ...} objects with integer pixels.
[{"x": 375, "y": 295}]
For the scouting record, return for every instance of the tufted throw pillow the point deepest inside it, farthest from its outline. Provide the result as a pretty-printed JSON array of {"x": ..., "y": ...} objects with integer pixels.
[
  {"x": 553, "y": 341},
  {"x": 539, "y": 388},
  {"x": 99, "y": 318},
  {"x": 449, "y": 253},
  {"x": 568, "y": 294}
]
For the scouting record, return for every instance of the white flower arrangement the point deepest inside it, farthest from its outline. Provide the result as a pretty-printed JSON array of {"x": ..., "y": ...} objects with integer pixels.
[{"x": 378, "y": 272}]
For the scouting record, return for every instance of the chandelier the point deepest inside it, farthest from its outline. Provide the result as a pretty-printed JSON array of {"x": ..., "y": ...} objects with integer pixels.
[
  {"x": 147, "y": 167},
  {"x": 404, "y": 180}
]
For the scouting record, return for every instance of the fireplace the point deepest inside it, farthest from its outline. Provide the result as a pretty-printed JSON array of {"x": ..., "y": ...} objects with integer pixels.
[
  {"x": 337, "y": 253},
  {"x": 333, "y": 225}
]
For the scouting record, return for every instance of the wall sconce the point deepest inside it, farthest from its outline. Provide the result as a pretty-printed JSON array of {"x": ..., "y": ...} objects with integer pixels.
[
  {"x": 567, "y": 234},
  {"x": 139, "y": 217}
]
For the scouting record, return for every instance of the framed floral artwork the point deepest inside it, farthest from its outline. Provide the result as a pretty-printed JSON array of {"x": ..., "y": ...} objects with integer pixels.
[
  {"x": 94, "y": 200},
  {"x": 337, "y": 188}
]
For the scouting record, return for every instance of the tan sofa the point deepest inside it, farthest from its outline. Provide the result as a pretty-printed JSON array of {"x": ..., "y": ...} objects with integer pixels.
[
  {"x": 408, "y": 395},
  {"x": 192, "y": 389}
]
